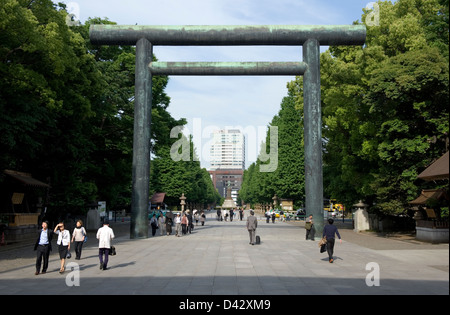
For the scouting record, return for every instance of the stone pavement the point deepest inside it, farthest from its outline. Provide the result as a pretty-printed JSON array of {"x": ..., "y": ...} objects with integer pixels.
[{"x": 216, "y": 259}]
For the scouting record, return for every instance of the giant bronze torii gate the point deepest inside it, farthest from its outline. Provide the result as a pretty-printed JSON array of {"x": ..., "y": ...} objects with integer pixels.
[{"x": 145, "y": 37}]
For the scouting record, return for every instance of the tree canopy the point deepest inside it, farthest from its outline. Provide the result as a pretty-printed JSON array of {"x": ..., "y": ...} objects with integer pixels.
[
  {"x": 385, "y": 113},
  {"x": 383, "y": 102},
  {"x": 67, "y": 109}
]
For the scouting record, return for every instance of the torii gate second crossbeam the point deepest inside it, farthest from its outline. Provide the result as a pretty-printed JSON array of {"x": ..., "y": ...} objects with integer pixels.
[{"x": 145, "y": 37}]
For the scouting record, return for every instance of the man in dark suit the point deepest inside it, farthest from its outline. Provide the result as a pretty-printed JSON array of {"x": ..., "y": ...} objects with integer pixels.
[{"x": 43, "y": 246}]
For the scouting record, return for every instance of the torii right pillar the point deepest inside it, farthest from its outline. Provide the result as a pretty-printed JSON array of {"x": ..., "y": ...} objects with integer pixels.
[{"x": 313, "y": 135}]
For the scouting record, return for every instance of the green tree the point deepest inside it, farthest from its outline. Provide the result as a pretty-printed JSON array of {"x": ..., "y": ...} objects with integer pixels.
[
  {"x": 289, "y": 177},
  {"x": 176, "y": 170},
  {"x": 382, "y": 102},
  {"x": 47, "y": 90},
  {"x": 67, "y": 106},
  {"x": 285, "y": 176}
]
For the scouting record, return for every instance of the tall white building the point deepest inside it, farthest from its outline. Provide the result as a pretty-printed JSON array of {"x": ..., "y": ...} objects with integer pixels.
[{"x": 228, "y": 150}]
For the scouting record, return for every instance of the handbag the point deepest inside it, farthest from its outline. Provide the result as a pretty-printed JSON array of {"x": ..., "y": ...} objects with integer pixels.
[
  {"x": 85, "y": 236},
  {"x": 112, "y": 251},
  {"x": 323, "y": 241},
  {"x": 323, "y": 244},
  {"x": 308, "y": 225},
  {"x": 68, "y": 255}
]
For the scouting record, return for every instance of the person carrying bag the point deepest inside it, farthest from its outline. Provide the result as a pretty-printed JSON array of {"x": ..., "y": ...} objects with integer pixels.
[{"x": 105, "y": 235}]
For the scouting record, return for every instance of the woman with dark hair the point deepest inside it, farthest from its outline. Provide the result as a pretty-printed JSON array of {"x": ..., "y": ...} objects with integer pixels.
[
  {"x": 329, "y": 231},
  {"x": 79, "y": 237},
  {"x": 63, "y": 244}
]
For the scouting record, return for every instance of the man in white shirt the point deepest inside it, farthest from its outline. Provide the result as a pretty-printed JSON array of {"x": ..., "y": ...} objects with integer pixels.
[
  {"x": 178, "y": 225},
  {"x": 104, "y": 234}
]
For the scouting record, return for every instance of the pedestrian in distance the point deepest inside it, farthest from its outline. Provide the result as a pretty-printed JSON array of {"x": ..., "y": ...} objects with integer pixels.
[
  {"x": 219, "y": 215},
  {"x": 184, "y": 224},
  {"x": 202, "y": 218},
  {"x": 43, "y": 246},
  {"x": 252, "y": 224},
  {"x": 178, "y": 229},
  {"x": 78, "y": 236},
  {"x": 267, "y": 216},
  {"x": 274, "y": 215},
  {"x": 104, "y": 235},
  {"x": 196, "y": 218},
  {"x": 162, "y": 224},
  {"x": 309, "y": 225},
  {"x": 154, "y": 224},
  {"x": 63, "y": 244},
  {"x": 190, "y": 224},
  {"x": 169, "y": 222},
  {"x": 329, "y": 231},
  {"x": 241, "y": 214}
]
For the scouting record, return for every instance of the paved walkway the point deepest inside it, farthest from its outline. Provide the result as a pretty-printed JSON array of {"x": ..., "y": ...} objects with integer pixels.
[{"x": 216, "y": 259}]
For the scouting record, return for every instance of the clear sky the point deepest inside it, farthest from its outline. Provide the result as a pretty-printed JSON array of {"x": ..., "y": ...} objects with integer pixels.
[{"x": 218, "y": 102}]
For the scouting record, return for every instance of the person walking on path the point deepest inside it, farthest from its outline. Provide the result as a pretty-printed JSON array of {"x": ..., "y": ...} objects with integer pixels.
[
  {"x": 329, "y": 231},
  {"x": 219, "y": 215},
  {"x": 184, "y": 223},
  {"x": 196, "y": 217},
  {"x": 63, "y": 244},
  {"x": 178, "y": 225},
  {"x": 309, "y": 225},
  {"x": 104, "y": 235},
  {"x": 252, "y": 224},
  {"x": 162, "y": 224},
  {"x": 78, "y": 236},
  {"x": 43, "y": 246},
  {"x": 202, "y": 218},
  {"x": 154, "y": 224},
  {"x": 190, "y": 225},
  {"x": 241, "y": 214},
  {"x": 169, "y": 221}
]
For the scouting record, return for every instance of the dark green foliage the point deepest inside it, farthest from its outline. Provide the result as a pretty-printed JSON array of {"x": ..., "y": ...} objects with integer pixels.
[{"x": 67, "y": 108}]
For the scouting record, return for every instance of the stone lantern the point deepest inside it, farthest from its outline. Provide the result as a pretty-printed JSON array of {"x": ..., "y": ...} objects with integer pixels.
[
  {"x": 361, "y": 217},
  {"x": 275, "y": 201},
  {"x": 182, "y": 202}
]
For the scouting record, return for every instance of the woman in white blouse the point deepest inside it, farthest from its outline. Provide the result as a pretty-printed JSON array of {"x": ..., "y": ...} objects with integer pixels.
[{"x": 63, "y": 244}]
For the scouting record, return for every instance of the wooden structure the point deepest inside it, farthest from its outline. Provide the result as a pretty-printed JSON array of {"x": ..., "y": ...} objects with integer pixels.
[{"x": 20, "y": 204}]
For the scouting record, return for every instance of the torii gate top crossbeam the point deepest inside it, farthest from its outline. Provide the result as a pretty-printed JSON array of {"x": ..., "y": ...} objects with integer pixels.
[{"x": 219, "y": 35}]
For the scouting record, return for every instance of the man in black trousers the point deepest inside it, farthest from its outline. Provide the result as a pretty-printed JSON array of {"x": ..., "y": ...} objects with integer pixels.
[
  {"x": 329, "y": 231},
  {"x": 43, "y": 246}
]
